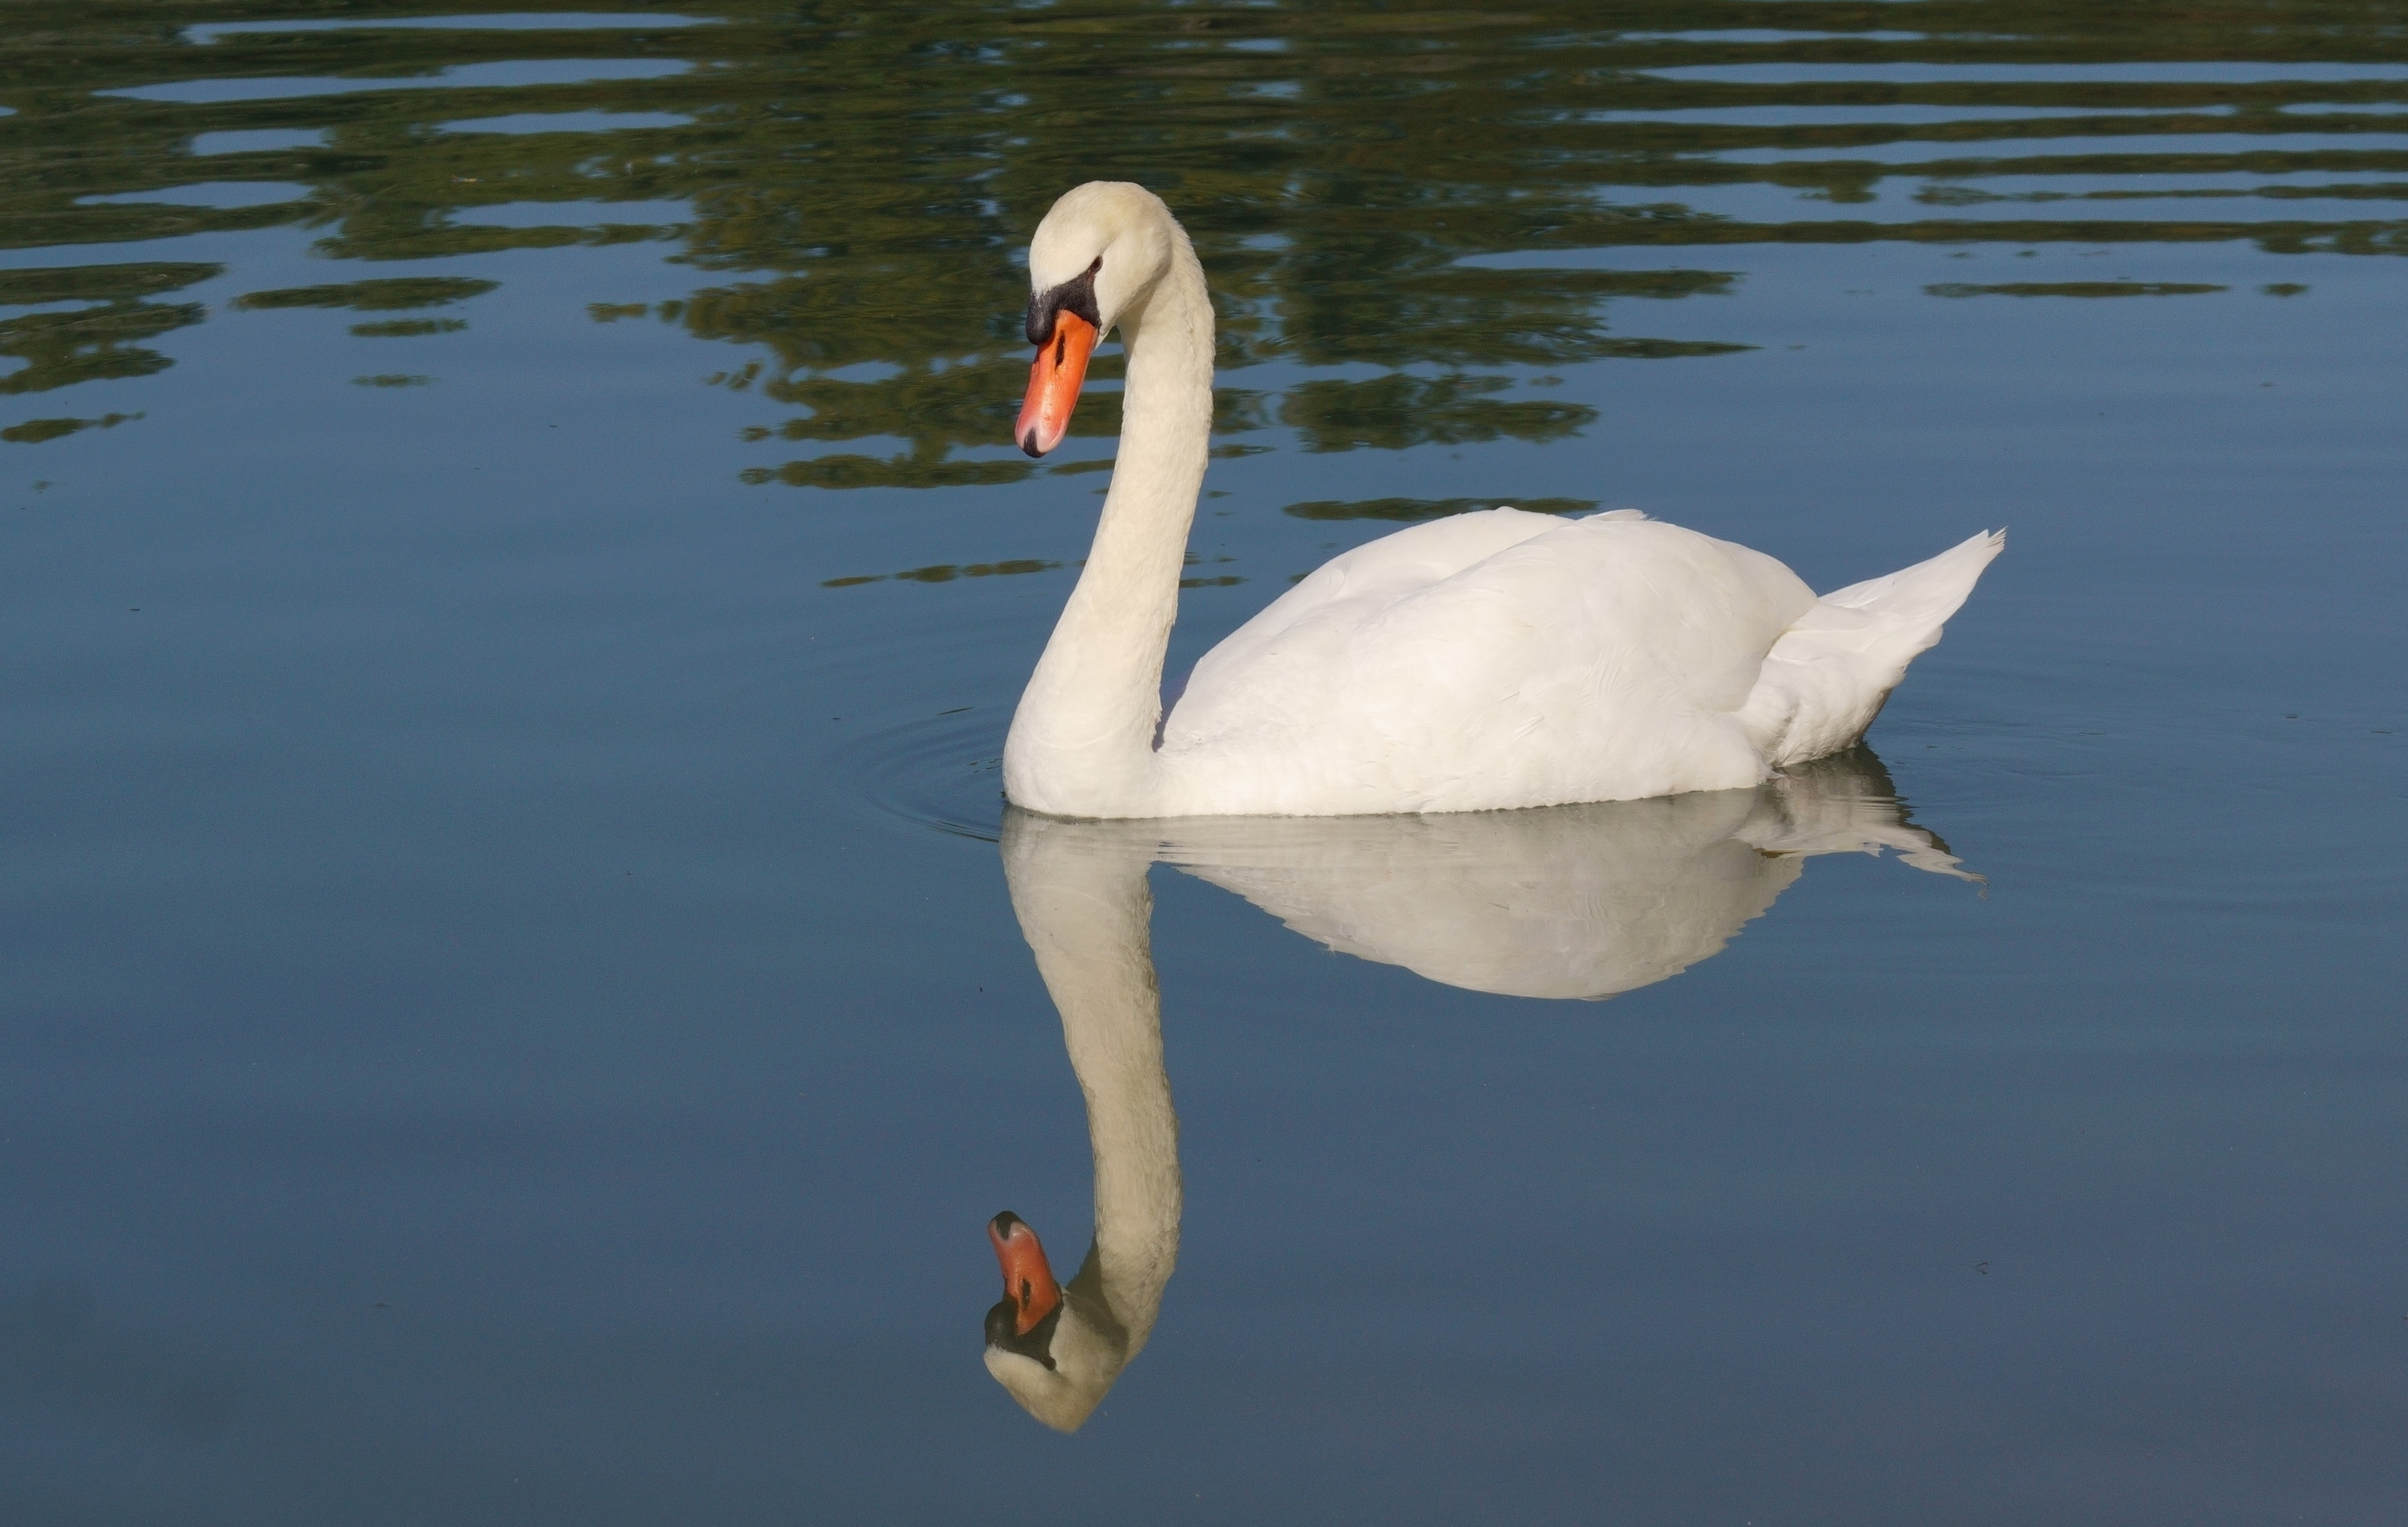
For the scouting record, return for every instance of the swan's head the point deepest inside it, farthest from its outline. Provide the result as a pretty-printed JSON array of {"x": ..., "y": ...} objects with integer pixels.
[
  {"x": 1056, "y": 1349},
  {"x": 1095, "y": 257}
]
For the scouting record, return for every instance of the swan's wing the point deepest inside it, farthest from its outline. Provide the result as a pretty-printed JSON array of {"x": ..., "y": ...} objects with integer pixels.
[
  {"x": 1376, "y": 575},
  {"x": 1824, "y": 680},
  {"x": 1597, "y": 659}
]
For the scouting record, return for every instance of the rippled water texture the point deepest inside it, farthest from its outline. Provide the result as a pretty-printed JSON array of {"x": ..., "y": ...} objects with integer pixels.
[{"x": 521, "y": 997}]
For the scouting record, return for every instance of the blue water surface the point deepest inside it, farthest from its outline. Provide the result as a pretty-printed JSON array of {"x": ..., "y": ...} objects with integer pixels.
[{"x": 516, "y": 1013}]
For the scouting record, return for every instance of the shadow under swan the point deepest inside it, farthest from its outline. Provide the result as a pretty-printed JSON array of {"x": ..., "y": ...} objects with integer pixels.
[{"x": 1577, "y": 901}]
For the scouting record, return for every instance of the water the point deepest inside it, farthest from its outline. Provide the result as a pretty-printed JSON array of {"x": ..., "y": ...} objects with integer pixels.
[{"x": 516, "y": 577}]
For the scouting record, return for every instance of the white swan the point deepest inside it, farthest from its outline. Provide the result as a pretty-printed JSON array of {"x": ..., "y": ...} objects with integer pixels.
[
  {"x": 1581, "y": 901},
  {"x": 1490, "y": 659}
]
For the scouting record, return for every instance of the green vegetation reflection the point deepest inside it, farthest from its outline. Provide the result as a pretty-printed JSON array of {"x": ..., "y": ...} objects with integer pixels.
[
  {"x": 373, "y": 296},
  {"x": 1407, "y": 210}
]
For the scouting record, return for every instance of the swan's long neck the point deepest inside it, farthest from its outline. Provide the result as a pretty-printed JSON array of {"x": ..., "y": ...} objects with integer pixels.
[{"x": 1081, "y": 743}]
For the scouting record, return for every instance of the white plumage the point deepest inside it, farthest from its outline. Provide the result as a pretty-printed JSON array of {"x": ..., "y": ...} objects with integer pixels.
[{"x": 1486, "y": 661}]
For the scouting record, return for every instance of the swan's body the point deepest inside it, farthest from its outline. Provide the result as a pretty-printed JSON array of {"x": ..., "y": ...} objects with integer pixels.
[{"x": 1485, "y": 660}]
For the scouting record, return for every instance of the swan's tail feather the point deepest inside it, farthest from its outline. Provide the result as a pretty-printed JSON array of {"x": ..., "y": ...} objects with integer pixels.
[
  {"x": 1930, "y": 591},
  {"x": 1824, "y": 680}
]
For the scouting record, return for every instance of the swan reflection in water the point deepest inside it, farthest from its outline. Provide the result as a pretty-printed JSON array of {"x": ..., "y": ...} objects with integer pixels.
[{"x": 1576, "y": 901}]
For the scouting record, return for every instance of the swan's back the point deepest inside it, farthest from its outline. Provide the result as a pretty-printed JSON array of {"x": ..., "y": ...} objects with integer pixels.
[
  {"x": 1488, "y": 661},
  {"x": 1374, "y": 576}
]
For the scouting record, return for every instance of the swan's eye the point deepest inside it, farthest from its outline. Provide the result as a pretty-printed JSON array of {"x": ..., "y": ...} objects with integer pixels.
[{"x": 1078, "y": 294}]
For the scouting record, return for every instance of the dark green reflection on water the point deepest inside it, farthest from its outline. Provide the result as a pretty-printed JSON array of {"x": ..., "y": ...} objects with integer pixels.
[
  {"x": 853, "y": 187},
  {"x": 97, "y": 342},
  {"x": 373, "y": 296}
]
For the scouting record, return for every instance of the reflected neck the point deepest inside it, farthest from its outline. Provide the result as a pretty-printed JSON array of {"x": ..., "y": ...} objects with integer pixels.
[
  {"x": 1082, "y": 742},
  {"x": 1083, "y": 906}
]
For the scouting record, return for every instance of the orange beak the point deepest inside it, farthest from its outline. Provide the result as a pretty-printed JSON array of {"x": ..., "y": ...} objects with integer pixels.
[
  {"x": 1028, "y": 1283},
  {"x": 1054, "y": 382}
]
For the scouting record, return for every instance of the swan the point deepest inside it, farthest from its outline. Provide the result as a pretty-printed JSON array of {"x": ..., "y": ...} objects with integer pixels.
[
  {"x": 1576, "y": 901},
  {"x": 1486, "y": 661}
]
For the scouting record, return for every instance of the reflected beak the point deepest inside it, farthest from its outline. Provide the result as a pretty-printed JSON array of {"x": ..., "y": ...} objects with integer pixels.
[
  {"x": 1028, "y": 1285},
  {"x": 1054, "y": 382}
]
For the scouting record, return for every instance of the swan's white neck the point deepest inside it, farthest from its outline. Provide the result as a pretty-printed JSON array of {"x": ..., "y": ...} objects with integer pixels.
[{"x": 1081, "y": 743}]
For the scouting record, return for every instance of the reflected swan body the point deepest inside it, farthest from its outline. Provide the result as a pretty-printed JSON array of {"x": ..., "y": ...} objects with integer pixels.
[
  {"x": 1486, "y": 661},
  {"x": 1582, "y": 901},
  {"x": 1572, "y": 902}
]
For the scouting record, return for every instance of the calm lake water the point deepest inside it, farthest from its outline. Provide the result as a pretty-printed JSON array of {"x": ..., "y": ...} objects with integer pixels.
[{"x": 516, "y": 575}]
